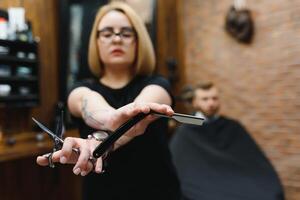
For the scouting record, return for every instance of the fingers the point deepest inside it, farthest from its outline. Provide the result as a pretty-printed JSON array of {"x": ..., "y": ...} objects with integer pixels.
[
  {"x": 84, "y": 163},
  {"x": 42, "y": 161},
  {"x": 134, "y": 108},
  {"x": 81, "y": 165},
  {"x": 67, "y": 150},
  {"x": 81, "y": 159},
  {"x": 99, "y": 166},
  {"x": 161, "y": 108},
  {"x": 65, "y": 155}
]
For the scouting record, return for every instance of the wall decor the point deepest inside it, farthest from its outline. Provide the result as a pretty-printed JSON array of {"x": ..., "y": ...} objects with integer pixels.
[{"x": 239, "y": 23}]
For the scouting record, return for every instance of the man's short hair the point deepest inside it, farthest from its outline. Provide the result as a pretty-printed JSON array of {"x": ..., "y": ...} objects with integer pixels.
[
  {"x": 204, "y": 85},
  {"x": 188, "y": 92}
]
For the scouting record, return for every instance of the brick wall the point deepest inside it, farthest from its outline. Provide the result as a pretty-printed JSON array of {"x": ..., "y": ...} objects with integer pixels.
[{"x": 259, "y": 82}]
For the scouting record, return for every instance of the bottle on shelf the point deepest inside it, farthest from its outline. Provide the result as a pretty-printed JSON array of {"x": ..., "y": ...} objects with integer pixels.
[{"x": 3, "y": 28}]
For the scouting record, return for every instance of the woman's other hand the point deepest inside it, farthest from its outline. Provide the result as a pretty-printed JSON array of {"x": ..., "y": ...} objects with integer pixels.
[{"x": 80, "y": 157}]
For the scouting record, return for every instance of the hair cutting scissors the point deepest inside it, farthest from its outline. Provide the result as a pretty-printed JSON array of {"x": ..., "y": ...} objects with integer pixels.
[{"x": 56, "y": 137}]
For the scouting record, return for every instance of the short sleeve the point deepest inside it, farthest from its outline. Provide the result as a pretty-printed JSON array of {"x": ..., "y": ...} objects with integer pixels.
[{"x": 89, "y": 83}]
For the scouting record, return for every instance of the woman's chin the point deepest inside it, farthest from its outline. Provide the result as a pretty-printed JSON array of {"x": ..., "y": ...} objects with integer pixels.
[{"x": 119, "y": 62}]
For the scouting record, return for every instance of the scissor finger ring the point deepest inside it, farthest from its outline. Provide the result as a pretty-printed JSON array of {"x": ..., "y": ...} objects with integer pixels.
[{"x": 50, "y": 161}]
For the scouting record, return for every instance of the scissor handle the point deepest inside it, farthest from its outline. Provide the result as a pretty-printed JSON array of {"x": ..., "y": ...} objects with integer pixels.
[
  {"x": 112, "y": 138},
  {"x": 57, "y": 144}
]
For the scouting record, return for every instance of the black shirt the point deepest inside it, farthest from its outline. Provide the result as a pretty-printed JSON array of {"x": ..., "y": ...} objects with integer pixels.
[{"x": 142, "y": 168}]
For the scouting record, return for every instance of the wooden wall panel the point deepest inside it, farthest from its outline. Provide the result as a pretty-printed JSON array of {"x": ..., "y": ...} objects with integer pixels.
[{"x": 169, "y": 44}]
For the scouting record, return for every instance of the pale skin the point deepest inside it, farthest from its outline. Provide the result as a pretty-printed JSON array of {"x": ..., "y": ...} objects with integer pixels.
[
  {"x": 206, "y": 101},
  {"x": 117, "y": 58}
]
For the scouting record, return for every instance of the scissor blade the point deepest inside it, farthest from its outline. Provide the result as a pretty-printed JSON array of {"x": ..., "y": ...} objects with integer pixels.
[
  {"x": 187, "y": 119},
  {"x": 50, "y": 133},
  {"x": 59, "y": 126}
]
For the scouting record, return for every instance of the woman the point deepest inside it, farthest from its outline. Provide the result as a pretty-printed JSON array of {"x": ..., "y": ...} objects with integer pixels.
[{"x": 121, "y": 56}]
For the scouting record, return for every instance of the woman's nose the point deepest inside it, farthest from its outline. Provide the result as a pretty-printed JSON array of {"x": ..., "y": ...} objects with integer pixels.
[{"x": 116, "y": 38}]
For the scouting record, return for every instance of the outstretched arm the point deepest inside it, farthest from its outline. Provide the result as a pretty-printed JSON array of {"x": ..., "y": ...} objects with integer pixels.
[
  {"x": 154, "y": 93},
  {"x": 90, "y": 106},
  {"x": 97, "y": 113}
]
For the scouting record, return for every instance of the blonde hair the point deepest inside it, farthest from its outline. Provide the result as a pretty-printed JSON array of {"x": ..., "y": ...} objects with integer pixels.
[{"x": 145, "y": 58}]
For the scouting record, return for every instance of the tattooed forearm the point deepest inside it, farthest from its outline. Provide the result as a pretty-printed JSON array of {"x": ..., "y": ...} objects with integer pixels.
[{"x": 89, "y": 117}]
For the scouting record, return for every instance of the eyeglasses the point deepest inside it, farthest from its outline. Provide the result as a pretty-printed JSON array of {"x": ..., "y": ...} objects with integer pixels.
[{"x": 127, "y": 34}]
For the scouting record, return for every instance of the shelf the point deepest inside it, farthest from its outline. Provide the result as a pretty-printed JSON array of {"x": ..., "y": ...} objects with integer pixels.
[
  {"x": 15, "y": 64},
  {"x": 7, "y": 59},
  {"x": 19, "y": 97},
  {"x": 29, "y": 46},
  {"x": 18, "y": 78},
  {"x": 18, "y": 104}
]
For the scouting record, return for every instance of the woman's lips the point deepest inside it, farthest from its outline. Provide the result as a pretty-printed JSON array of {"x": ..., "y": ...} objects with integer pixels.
[{"x": 117, "y": 51}]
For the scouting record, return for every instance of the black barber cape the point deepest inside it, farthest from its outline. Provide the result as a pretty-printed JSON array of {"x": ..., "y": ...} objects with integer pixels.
[{"x": 220, "y": 161}]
